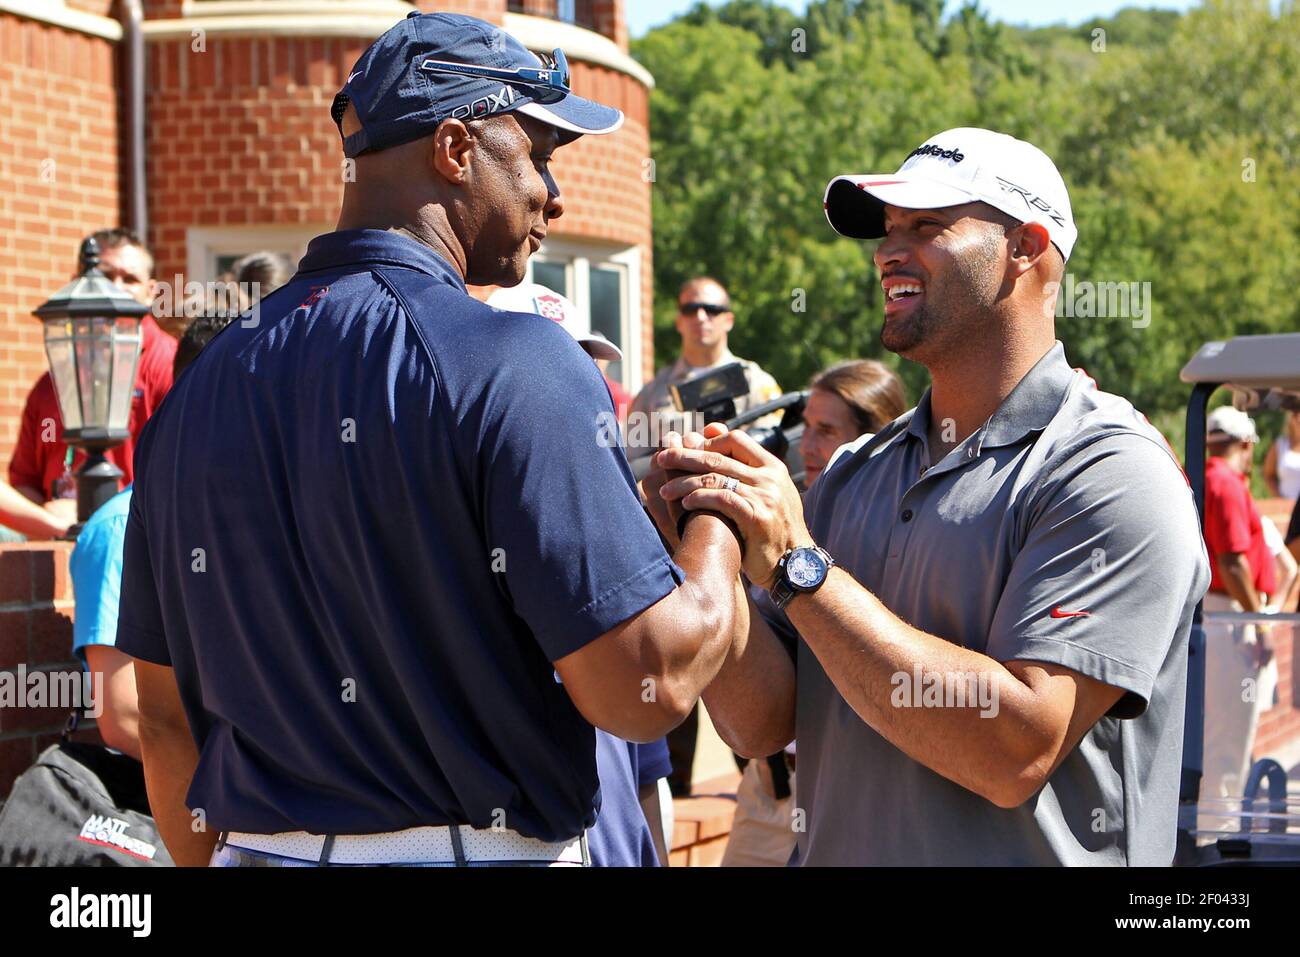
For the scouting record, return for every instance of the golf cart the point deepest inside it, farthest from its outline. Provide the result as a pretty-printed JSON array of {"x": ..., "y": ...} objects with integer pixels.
[{"x": 1262, "y": 826}]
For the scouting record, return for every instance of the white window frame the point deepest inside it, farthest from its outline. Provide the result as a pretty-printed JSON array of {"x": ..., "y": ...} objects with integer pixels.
[
  {"x": 578, "y": 257},
  {"x": 205, "y": 243}
]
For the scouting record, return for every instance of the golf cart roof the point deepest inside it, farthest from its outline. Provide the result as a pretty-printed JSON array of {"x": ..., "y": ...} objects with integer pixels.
[{"x": 1252, "y": 366}]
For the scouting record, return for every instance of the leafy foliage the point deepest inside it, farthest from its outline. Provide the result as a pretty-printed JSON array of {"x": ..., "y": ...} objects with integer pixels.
[{"x": 1180, "y": 142}]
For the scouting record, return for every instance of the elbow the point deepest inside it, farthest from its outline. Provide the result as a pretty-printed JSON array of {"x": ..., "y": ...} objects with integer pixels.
[
  {"x": 753, "y": 743},
  {"x": 1017, "y": 782}
]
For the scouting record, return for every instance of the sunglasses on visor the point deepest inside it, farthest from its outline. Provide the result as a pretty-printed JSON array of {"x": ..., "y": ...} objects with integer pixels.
[{"x": 551, "y": 79}]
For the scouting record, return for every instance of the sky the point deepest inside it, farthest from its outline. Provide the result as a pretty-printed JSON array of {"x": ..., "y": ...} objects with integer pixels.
[{"x": 642, "y": 15}]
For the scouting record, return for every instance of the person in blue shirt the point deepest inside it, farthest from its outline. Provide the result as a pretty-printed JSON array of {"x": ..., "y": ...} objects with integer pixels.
[
  {"x": 96, "y": 569},
  {"x": 382, "y": 573}
]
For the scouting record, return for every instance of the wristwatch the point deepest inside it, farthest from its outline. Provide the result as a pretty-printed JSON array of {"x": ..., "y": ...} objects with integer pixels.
[{"x": 800, "y": 571}]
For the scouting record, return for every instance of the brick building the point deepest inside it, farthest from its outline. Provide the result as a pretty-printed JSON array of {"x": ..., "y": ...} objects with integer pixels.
[
  {"x": 239, "y": 152},
  {"x": 230, "y": 105}
]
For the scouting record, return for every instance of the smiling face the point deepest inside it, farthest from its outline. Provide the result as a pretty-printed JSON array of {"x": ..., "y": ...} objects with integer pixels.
[
  {"x": 828, "y": 423},
  {"x": 512, "y": 197},
  {"x": 942, "y": 270}
]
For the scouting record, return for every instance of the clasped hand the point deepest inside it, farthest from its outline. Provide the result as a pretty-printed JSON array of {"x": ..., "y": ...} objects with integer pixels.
[{"x": 692, "y": 473}]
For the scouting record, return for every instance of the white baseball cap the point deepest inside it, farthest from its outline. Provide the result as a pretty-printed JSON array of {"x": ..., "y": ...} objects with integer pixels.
[
  {"x": 963, "y": 165},
  {"x": 534, "y": 297},
  {"x": 1233, "y": 423}
]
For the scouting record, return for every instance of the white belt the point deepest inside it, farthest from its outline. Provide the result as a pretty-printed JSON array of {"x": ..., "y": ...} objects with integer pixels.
[{"x": 416, "y": 845}]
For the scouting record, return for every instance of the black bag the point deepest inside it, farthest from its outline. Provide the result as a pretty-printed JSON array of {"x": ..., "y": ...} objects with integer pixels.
[{"x": 80, "y": 805}]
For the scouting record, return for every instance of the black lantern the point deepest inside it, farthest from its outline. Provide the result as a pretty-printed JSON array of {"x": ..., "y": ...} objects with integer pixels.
[{"x": 92, "y": 341}]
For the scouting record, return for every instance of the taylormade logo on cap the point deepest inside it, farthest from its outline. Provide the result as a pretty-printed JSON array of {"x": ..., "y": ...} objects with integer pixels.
[{"x": 958, "y": 166}]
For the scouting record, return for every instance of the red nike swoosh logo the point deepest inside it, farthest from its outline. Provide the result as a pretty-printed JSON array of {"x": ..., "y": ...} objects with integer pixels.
[{"x": 1057, "y": 612}]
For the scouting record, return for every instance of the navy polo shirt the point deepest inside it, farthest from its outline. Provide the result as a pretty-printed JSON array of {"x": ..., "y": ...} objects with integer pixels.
[{"x": 365, "y": 525}]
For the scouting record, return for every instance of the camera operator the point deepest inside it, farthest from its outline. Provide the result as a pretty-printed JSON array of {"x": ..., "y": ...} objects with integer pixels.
[{"x": 704, "y": 318}]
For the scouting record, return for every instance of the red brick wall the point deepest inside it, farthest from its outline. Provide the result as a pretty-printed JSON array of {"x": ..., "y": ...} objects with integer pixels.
[
  {"x": 608, "y": 18},
  {"x": 491, "y": 10},
  {"x": 59, "y": 180},
  {"x": 35, "y": 630},
  {"x": 240, "y": 134}
]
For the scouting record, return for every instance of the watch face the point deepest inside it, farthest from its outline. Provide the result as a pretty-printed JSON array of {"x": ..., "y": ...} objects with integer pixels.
[{"x": 805, "y": 568}]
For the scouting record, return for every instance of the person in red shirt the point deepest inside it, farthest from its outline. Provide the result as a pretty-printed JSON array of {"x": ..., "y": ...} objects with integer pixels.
[
  {"x": 1242, "y": 578},
  {"x": 41, "y": 467}
]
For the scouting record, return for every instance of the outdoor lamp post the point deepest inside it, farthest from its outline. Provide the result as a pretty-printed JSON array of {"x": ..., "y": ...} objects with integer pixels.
[{"x": 92, "y": 342}]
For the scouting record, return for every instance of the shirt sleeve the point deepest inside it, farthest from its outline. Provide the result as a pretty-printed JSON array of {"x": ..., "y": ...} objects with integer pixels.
[
  {"x": 1227, "y": 518},
  {"x": 1111, "y": 559},
  {"x": 777, "y": 620},
  {"x": 26, "y": 467},
  {"x": 140, "y": 631},
  {"x": 579, "y": 553},
  {"x": 96, "y": 567},
  {"x": 652, "y": 762}
]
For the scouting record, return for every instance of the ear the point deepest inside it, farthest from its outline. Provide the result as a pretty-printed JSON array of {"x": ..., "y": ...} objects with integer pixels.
[
  {"x": 452, "y": 144},
  {"x": 729, "y": 320},
  {"x": 1029, "y": 243}
]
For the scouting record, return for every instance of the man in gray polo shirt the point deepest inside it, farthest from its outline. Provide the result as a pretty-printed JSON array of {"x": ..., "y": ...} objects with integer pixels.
[{"x": 993, "y": 672}]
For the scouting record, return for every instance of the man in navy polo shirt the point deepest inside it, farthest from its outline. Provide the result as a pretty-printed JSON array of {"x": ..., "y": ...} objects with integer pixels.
[{"x": 386, "y": 577}]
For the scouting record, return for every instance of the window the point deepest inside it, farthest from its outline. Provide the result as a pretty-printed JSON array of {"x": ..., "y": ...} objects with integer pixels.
[
  {"x": 213, "y": 249},
  {"x": 578, "y": 12},
  {"x": 605, "y": 285}
]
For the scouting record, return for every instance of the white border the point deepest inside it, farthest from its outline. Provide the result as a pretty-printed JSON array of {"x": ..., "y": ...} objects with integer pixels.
[{"x": 54, "y": 12}]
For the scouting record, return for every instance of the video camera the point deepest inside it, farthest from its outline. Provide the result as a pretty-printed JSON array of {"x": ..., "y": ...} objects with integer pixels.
[{"x": 712, "y": 396}]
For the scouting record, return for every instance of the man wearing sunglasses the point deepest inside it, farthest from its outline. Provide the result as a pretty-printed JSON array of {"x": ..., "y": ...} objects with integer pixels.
[
  {"x": 409, "y": 577},
  {"x": 704, "y": 319}
]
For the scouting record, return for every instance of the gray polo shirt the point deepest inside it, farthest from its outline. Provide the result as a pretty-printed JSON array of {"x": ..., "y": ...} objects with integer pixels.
[{"x": 1065, "y": 501}]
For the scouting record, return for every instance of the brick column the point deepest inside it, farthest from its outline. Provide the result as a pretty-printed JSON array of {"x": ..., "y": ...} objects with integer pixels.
[{"x": 35, "y": 631}]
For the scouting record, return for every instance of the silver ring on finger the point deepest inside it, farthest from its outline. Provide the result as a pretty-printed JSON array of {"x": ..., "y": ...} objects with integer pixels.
[{"x": 731, "y": 483}]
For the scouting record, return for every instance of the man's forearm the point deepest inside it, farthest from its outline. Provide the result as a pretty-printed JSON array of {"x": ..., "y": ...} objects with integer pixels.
[
  {"x": 710, "y": 557},
  {"x": 752, "y": 700},
  {"x": 1238, "y": 580},
  {"x": 22, "y": 514},
  {"x": 873, "y": 659},
  {"x": 169, "y": 762}
]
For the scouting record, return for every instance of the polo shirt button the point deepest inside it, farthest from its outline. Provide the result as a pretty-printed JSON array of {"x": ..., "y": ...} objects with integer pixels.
[{"x": 907, "y": 514}]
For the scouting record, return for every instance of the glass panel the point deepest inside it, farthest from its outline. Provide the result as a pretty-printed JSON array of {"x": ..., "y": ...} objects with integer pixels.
[
  {"x": 94, "y": 351},
  {"x": 63, "y": 370},
  {"x": 126, "y": 354},
  {"x": 607, "y": 309},
  {"x": 552, "y": 275}
]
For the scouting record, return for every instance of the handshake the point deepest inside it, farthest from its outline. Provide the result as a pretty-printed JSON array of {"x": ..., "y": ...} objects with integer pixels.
[{"x": 726, "y": 475}]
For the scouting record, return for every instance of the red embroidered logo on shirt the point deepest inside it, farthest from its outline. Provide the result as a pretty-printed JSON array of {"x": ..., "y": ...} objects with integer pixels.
[
  {"x": 1059, "y": 612},
  {"x": 316, "y": 293}
]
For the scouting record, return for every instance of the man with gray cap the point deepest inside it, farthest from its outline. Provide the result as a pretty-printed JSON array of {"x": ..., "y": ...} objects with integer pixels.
[
  {"x": 407, "y": 577},
  {"x": 992, "y": 596}
]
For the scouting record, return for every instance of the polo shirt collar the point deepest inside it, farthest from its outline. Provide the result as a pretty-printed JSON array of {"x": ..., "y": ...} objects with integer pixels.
[
  {"x": 1030, "y": 407},
  {"x": 1033, "y": 403},
  {"x": 380, "y": 247}
]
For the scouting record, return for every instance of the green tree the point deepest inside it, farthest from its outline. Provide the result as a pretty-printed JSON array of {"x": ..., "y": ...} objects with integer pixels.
[{"x": 1180, "y": 142}]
